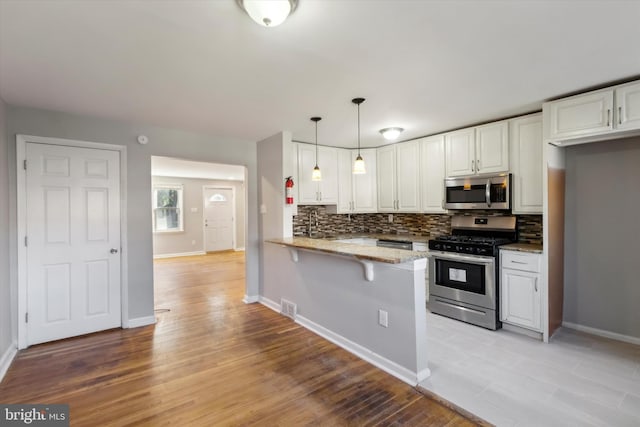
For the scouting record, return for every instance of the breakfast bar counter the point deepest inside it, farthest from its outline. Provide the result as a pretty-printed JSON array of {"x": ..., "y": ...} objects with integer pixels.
[
  {"x": 367, "y": 299},
  {"x": 334, "y": 246}
]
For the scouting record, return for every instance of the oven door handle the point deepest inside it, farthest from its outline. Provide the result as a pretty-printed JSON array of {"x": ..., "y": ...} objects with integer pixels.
[
  {"x": 469, "y": 259},
  {"x": 487, "y": 192}
]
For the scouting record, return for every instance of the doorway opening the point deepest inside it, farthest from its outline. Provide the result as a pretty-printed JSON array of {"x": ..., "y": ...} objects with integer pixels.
[{"x": 197, "y": 207}]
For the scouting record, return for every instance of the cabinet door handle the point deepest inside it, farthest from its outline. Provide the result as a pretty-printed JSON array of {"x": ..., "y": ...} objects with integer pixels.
[
  {"x": 473, "y": 169},
  {"x": 478, "y": 165},
  {"x": 608, "y": 117},
  {"x": 620, "y": 115},
  {"x": 535, "y": 285}
]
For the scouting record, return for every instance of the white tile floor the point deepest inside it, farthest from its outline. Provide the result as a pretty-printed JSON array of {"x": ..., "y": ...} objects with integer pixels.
[{"x": 509, "y": 379}]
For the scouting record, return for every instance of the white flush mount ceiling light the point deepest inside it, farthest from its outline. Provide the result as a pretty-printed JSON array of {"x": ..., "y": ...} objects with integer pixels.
[
  {"x": 358, "y": 165},
  {"x": 391, "y": 134},
  {"x": 268, "y": 13}
]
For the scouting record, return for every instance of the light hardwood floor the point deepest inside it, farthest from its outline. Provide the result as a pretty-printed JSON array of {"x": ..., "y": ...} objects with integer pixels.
[{"x": 212, "y": 360}]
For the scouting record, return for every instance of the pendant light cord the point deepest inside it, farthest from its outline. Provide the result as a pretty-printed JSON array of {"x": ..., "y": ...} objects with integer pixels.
[
  {"x": 358, "y": 129},
  {"x": 316, "y": 120}
]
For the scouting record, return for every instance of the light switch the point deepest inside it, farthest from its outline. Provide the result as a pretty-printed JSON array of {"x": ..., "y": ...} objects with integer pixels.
[
  {"x": 194, "y": 210},
  {"x": 383, "y": 318},
  {"x": 263, "y": 209}
]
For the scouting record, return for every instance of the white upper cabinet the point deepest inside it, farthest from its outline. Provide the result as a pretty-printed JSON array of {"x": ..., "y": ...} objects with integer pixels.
[
  {"x": 386, "y": 163},
  {"x": 398, "y": 172},
  {"x": 581, "y": 115},
  {"x": 492, "y": 148},
  {"x": 407, "y": 172},
  {"x": 526, "y": 163},
  {"x": 345, "y": 184},
  {"x": 432, "y": 174},
  {"x": 480, "y": 150},
  {"x": 356, "y": 193},
  {"x": 460, "y": 152},
  {"x": 594, "y": 116},
  {"x": 323, "y": 192},
  {"x": 628, "y": 106},
  {"x": 365, "y": 197}
]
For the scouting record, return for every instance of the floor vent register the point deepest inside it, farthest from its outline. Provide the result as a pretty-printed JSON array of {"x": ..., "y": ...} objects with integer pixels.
[{"x": 288, "y": 308}]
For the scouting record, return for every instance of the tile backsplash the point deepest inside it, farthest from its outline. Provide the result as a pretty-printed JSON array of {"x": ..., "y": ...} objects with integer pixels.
[{"x": 432, "y": 225}]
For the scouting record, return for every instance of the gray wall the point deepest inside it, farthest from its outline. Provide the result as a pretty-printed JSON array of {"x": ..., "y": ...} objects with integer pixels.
[
  {"x": 162, "y": 142},
  {"x": 7, "y": 334},
  {"x": 602, "y": 279},
  {"x": 275, "y": 162},
  {"x": 175, "y": 243}
]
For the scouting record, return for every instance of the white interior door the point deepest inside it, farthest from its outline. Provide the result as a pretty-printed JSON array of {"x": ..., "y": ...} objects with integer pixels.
[
  {"x": 218, "y": 219},
  {"x": 73, "y": 246}
]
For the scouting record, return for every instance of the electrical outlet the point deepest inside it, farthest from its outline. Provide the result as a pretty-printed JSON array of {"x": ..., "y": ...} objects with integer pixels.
[
  {"x": 193, "y": 242},
  {"x": 383, "y": 318},
  {"x": 390, "y": 218}
]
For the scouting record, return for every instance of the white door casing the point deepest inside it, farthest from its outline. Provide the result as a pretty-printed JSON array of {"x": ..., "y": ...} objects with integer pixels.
[
  {"x": 218, "y": 217},
  {"x": 72, "y": 259}
]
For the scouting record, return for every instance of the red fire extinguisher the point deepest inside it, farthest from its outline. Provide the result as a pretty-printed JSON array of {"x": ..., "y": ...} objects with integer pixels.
[{"x": 288, "y": 185}]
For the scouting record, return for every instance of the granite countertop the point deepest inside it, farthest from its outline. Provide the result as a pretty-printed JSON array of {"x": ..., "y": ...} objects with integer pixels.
[
  {"x": 370, "y": 253},
  {"x": 378, "y": 236},
  {"x": 523, "y": 247}
]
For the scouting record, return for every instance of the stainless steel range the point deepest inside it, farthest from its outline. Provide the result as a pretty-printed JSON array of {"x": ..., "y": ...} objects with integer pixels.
[{"x": 463, "y": 269}]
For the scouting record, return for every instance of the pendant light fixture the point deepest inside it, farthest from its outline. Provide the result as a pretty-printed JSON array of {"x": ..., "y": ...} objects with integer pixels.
[
  {"x": 358, "y": 165},
  {"x": 268, "y": 13},
  {"x": 316, "y": 175}
]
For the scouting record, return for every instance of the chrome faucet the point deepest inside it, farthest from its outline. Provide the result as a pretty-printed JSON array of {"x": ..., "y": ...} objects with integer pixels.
[{"x": 311, "y": 220}]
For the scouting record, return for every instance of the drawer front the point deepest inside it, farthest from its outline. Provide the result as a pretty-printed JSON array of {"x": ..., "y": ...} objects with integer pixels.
[{"x": 520, "y": 261}]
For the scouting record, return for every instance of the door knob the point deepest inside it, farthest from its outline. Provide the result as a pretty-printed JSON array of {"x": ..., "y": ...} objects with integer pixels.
[{"x": 113, "y": 251}]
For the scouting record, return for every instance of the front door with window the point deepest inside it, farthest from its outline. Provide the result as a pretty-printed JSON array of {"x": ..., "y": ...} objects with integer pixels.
[
  {"x": 218, "y": 219},
  {"x": 73, "y": 241}
]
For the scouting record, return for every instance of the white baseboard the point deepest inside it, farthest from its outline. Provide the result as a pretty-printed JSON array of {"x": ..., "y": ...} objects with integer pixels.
[
  {"x": 390, "y": 367},
  {"x": 160, "y": 256},
  {"x": 239, "y": 249},
  {"x": 269, "y": 304},
  {"x": 602, "y": 333},
  {"x": 250, "y": 299},
  {"x": 7, "y": 358},
  {"x": 141, "y": 321}
]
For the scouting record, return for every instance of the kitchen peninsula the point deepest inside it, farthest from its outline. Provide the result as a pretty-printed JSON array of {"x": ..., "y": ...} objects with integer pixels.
[{"x": 369, "y": 300}]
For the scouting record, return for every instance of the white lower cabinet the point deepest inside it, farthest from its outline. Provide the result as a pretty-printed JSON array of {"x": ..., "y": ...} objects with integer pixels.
[{"x": 520, "y": 289}]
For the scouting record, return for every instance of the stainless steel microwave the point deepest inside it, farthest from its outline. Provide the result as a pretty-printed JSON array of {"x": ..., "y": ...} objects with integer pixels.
[{"x": 487, "y": 192}]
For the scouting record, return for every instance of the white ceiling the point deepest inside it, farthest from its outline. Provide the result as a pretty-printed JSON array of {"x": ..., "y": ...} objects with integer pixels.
[
  {"x": 168, "y": 166},
  {"x": 427, "y": 66}
]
